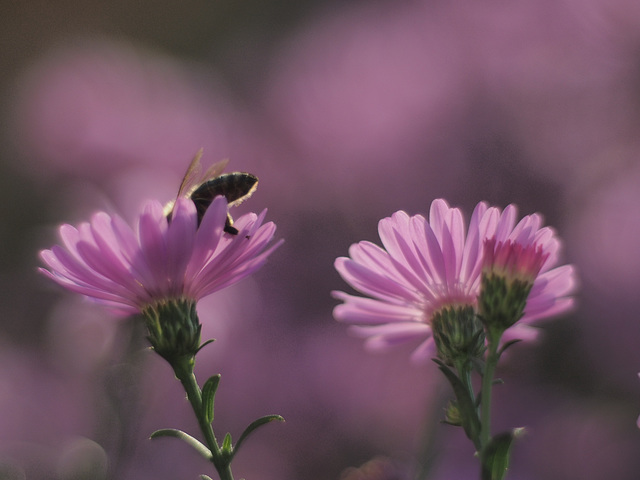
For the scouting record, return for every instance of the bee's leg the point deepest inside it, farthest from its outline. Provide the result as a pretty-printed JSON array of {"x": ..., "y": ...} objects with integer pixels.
[{"x": 228, "y": 226}]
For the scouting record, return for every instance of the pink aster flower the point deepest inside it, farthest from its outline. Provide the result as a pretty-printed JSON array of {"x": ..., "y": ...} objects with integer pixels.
[
  {"x": 427, "y": 266},
  {"x": 130, "y": 269}
]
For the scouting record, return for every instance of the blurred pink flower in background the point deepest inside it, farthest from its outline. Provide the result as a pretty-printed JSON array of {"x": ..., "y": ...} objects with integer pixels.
[
  {"x": 43, "y": 413},
  {"x": 117, "y": 124},
  {"x": 366, "y": 91},
  {"x": 428, "y": 265},
  {"x": 95, "y": 109},
  {"x": 567, "y": 438},
  {"x": 574, "y": 443},
  {"x": 605, "y": 229},
  {"x": 608, "y": 222},
  {"x": 558, "y": 76}
]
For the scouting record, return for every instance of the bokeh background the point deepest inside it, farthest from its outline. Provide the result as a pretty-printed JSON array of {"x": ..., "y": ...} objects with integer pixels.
[{"x": 347, "y": 111}]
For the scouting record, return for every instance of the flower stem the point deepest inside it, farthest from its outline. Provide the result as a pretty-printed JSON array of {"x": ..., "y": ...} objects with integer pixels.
[
  {"x": 183, "y": 370},
  {"x": 487, "y": 385}
]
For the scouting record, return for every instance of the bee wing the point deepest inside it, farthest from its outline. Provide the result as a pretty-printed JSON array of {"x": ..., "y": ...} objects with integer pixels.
[
  {"x": 189, "y": 182},
  {"x": 214, "y": 170},
  {"x": 191, "y": 176}
]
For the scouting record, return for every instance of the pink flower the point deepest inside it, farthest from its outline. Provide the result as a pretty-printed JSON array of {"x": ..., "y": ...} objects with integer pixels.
[
  {"x": 429, "y": 265},
  {"x": 129, "y": 269}
]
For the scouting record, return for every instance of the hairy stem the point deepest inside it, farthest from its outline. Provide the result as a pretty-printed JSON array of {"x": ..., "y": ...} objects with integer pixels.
[{"x": 183, "y": 370}]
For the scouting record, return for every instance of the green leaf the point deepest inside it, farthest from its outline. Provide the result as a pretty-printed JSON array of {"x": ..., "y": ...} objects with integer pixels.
[
  {"x": 466, "y": 404},
  {"x": 205, "y": 477},
  {"x": 254, "y": 425},
  {"x": 196, "y": 444},
  {"x": 208, "y": 396},
  {"x": 495, "y": 456}
]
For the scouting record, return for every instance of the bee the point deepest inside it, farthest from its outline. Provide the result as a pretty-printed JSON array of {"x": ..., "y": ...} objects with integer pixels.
[{"x": 202, "y": 189}]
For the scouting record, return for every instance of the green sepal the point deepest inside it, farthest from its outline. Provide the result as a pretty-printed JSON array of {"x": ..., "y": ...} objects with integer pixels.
[
  {"x": 495, "y": 455},
  {"x": 254, "y": 425},
  {"x": 211, "y": 340},
  {"x": 196, "y": 444},
  {"x": 507, "y": 345},
  {"x": 174, "y": 329},
  {"x": 466, "y": 405},
  {"x": 208, "y": 396}
]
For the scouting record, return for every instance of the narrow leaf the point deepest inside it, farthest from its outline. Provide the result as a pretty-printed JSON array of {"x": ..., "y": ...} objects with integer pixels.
[
  {"x": 495, "y": 456},
  {"x": 254, "y": 425},
  {"x": 205, "y": 477},
  {"x": 507, "y": 345},
  {"x": 466, "y": 404},
  {"x": 208, "y": 396},
  {"x": 196, "y": 444}
]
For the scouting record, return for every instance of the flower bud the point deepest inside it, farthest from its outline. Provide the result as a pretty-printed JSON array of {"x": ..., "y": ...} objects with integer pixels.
[
  {"x": 508, "y": 274},
  {"x": 458, "y": 334},
  {"x": 452, "y": 414}
]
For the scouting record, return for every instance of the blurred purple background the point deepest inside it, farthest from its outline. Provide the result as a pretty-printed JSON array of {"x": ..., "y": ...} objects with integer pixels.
[{"x": 347, "y": 112}]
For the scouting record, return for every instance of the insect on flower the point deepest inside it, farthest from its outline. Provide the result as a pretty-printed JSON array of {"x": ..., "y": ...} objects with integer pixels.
[{"x": 236, "y": 187}]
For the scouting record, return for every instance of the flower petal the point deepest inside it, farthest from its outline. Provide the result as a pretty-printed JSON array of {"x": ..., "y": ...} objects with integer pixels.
[
  {"x": 129, "y": 269},
  {"x": 367, "y": 311}
]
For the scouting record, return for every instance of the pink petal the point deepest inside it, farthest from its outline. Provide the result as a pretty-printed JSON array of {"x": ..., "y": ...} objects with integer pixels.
[{"x": 368, "y": 311}]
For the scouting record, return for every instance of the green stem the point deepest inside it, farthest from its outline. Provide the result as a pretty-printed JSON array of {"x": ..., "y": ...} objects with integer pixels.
[
  {"x": 183, "y": 370},
  {"x": 487, "y": 385}
]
